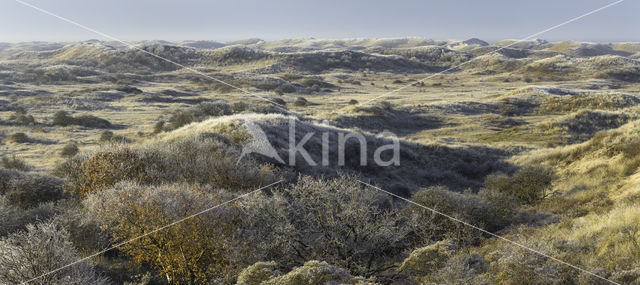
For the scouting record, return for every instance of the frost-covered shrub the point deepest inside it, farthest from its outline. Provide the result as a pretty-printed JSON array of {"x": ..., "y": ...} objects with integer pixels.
[
  {"x": 30, "y": 190},
  {"x": 428, "y": 227},
  {"x": 199, "y": 160},
  {"x": 315, "y": 272},
  {"x": 335, "y": 220},
  {"x": 426, "y": 260},
  {"x": 258, "y": 273},
  {"x": 39, "y": 250}
]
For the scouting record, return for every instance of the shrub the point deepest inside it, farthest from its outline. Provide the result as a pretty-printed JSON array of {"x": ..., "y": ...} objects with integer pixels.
[
  {"x": 129, "y": 89},
  {"x": 21, "y": 118},
  {"x": 15, "y": 219},
  {"x": 90, "y": 121},
  {"x": 63, "y": 119},
  {"x": 105, "y": 169},
  {"x": 325, "y": 219},
  {"x": 353, "y": 102},
  {"x": 239, "y": 107},
  {"x": 279, "y": 101},
  {"x": 516, "y": 265},
  {"x": 194, "y": 251},
  {"x": 426, "y": 260},
  {"x": 258, "y": 273},
  {"x": 29, "y": 191},
  {"x": 69, "y": 150},
  {"x": 200, "y": 112},
  {"x": 40, "y": 250},
  {"x": 505, "y": 205},
  {"x": 199, "y": 160},
  {"x": 286, "y": 88},
  {"x": 106, "y": 136},
  {"x": 531, "y": 183},
  {"x": 315, "y": 272},
  {"x": 301, "y": 101},
  {"x": 427, "y": 226},
  {"x": 18, "y": 138},
  {"x": 15, "y": 163},
  {"x": 158, "y": 127}
]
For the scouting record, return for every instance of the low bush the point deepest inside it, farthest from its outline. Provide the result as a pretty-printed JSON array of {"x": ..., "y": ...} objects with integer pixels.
[
  {"x": 428, "y": 227},
  {"x": 286, "y": 88},
  {"x": 30, "y": 190},
  {"x": 69, "y": 150},
  {"x": 301, "y": 101},
  {"x": 200, "y": 112},
  {"x": 14, "y": 162},
  {"x": 427, "y": 260},
  {"x": 18, "y": 138},
  {"x": 63, "y": 119},
  {"x": 316, "y": 272},
  {"x": 199, "y": 160},
  {"x": 258, "y": 273},
  {"x": 22, "y": 118},
  {"x": 529, "y": 185}
]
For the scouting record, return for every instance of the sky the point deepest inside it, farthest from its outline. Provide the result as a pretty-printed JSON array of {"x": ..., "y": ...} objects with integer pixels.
[{"x": 225, "y": 20}]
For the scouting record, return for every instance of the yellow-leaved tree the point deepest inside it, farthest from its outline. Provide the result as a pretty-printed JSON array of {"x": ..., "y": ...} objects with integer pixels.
[{"x": 193, "y": 251}]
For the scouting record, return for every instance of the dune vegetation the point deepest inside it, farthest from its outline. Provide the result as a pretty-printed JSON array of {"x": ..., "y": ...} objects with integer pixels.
[{"x": 490, "y": 173}]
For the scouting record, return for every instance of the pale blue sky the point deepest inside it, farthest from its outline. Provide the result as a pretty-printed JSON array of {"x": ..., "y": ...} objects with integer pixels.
[{"x": 237, "y": 19}]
